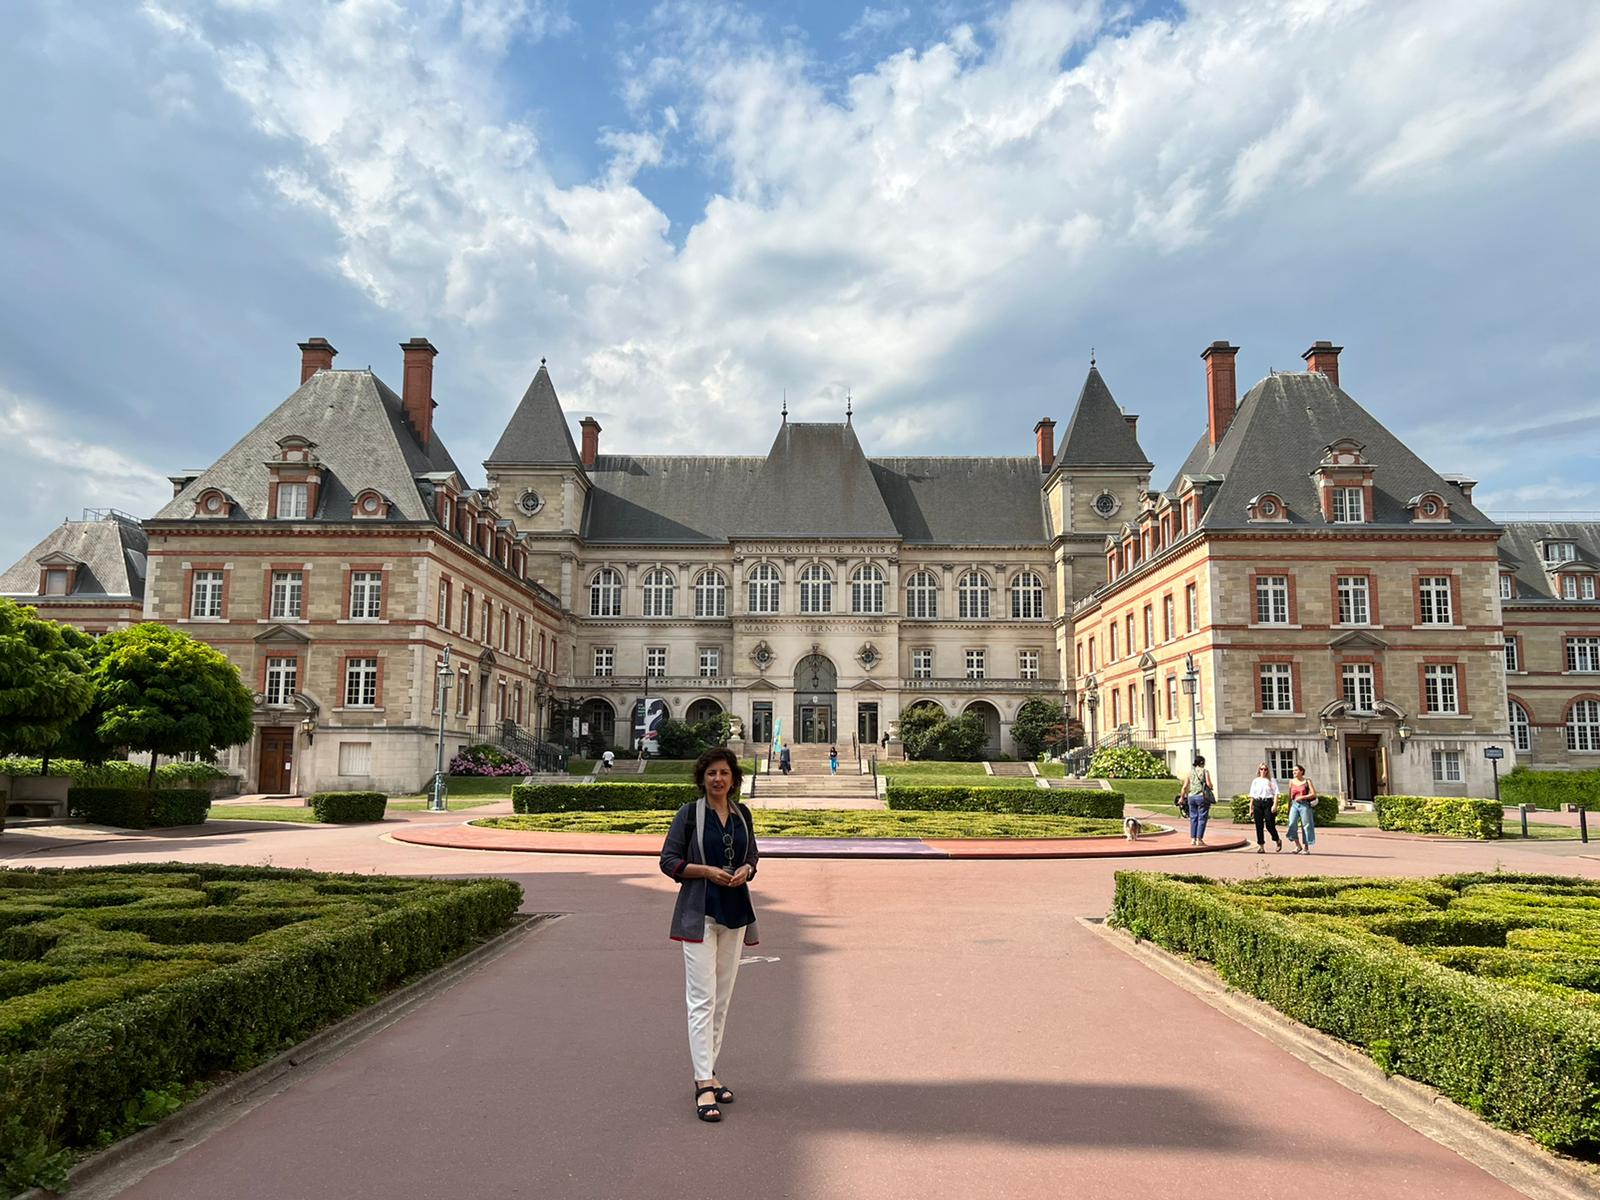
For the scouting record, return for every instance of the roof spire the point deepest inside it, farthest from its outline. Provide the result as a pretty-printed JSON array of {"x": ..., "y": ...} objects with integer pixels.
[
  {"x": 541, "y": 360},
  {"x": 849, "y": 401},
  {"x": 1091, "y": 356},
  {"x": 785, "y": 406}
]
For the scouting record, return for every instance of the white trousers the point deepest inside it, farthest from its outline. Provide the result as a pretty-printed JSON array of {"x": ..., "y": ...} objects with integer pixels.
[{"x": 709, "y": 969}]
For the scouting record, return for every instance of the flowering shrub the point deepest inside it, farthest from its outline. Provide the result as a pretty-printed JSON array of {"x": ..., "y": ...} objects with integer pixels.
[
  {"x": 488, "y": 760},
  {"x": 1127, "y": 762}
]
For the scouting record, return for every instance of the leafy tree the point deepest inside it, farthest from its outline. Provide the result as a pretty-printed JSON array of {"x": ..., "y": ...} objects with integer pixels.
[
  {"x": 961, "y": 739},
  {"x": 1036, "y": 718},
  {"x": 44, "y": 680},
  {"x": 686, "y": 739},
  {"x": 164, "y": 692},
  {"x": 917, "y": 726}
]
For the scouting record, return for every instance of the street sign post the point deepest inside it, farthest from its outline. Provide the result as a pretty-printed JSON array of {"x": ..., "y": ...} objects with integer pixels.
[{"x": 1494, "y": 754}]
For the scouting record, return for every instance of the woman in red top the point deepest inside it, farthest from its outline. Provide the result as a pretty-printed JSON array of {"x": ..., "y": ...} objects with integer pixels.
[{"x": 1302, "y": 811}]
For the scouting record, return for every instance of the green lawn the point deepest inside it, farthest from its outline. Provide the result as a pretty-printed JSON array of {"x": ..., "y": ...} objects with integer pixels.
[
  {"x": 580, "y": 766},
  {"x": 1151, "y": 793},
  {"x": 262, "y": 812},
  {"x": 420, "y": 803},
  {"x": 829, "y": 823},
  {"x": 918, "y": 769},
  {"x": 974, "y": 781},
  {"x": 1053, "y": 770}
]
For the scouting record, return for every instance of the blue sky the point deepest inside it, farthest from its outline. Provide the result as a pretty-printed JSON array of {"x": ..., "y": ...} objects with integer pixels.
[{"x": 691, "y": 208}]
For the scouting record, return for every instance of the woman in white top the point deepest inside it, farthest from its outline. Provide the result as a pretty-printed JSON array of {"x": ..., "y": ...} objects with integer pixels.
[{"x": 1264, "y": 808}]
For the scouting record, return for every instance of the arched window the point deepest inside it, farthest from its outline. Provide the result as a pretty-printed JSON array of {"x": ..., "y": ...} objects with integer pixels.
[
  {"x": 605, "y": 593},
  {"x": 766, "y": 588},
  {"x": 1027, "y": 596},
  {"x": 1583, "y": 725},
  {"x": 816, "y": 589},
  {"x": 1521, "y": 727},
  {"x": 866, "y": 589},
  {"x": 973, "y": 594},
  {"x": 658, "y": 592},
  {"x": 922, "y": 596},
  {"x": 710, "y": 595}
]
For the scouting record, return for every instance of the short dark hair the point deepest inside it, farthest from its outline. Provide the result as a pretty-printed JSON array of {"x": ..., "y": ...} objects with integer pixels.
[
  {"x": 1199, "y": 760},
  {"x": 715, "y": 755}
]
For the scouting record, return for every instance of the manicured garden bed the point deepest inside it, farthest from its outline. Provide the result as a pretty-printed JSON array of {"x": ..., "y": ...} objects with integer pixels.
[
  {"x": 1485, "y": 986},
  {"x": 143, "y": 981},
  {"x": 829, "y": 823},
  {"x": 1027, "y": 798}
]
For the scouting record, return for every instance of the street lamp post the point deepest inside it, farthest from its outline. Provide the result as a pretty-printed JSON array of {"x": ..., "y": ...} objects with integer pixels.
[
  {"x": 1091, "y": 699},
  {"x": 437, "y": 802},
  {"x": 1191, "y": 689}
]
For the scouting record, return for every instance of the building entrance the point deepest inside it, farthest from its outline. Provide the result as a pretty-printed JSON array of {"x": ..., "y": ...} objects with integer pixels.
[
  {"x": 816, "y": 723},
  {"x": 815, "y": 682},
  {"x": 867, "y": 724},
  {"x": 761, "y": 722},
  {"x": 1365, "y": 761},
  {"x": 277, "y": 759}
]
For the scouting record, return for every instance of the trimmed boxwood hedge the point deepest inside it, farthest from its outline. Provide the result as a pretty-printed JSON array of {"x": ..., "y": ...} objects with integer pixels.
[
  {"x": 599, "y": 797},
  {"x": 1551, "y": 789},
  {"x": 135, "y": 808},
  {"x": 1067, "y": 802},
  {"x": 1326, "y": 813},
  {"x": 1406, "y": 969},
  {"x": 150, "y": 975},
  {"x": 348, "y": 807},
  {"x": 1453, "y": 816}
]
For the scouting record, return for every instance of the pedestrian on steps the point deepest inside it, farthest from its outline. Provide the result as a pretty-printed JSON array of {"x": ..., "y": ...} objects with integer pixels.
[
  {"x": 711, "y": 853},
  {"x": 784, "y": 761},
  {"x": 1264, "y": 808},
  {"x": 833, "y": 760}
]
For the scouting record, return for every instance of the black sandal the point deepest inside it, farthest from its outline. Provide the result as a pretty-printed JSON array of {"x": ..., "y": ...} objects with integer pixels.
[
  {"x": 724, "y": 1096},
  {"x": 709, "y": 1113}
]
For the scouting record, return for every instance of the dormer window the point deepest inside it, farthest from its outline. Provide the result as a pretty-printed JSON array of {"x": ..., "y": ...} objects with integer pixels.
[
  {"x": 292, "y": 501},
  {"x": 295, "y": 449},
  {"x": 1349, "y": 507},
  {"x": 212, "y": 503},
  {"x": 1430, "y": 506},
  {"x": 1508, "y": 586},
  {"x": 369, "y": 505},
  {"x": 1267, "y": 507},
  {"x": 1559, "y": 552},
  {"x": 56, "y": 581}
]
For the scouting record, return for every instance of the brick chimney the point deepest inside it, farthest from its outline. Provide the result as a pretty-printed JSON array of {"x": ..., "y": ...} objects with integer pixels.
[
  {"x": 1045, "y": 433},
  {"x": 316, "y": 354},
  {"x": 1323, "y": 357},
  {"x": 417, "y": 389},
  {"x": 1133, "y": 422},
  {"x": 1222, "y": 392},
  {"x": 591, "y": 440}
]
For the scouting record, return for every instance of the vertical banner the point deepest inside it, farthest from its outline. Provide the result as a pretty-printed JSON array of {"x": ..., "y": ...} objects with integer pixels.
[
  {"x": 652, "y": 716},
  {"x": 777, "y": 735}
]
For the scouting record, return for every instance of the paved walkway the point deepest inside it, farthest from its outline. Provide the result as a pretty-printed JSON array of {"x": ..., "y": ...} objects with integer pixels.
[{"x": 906, "y": 1029}]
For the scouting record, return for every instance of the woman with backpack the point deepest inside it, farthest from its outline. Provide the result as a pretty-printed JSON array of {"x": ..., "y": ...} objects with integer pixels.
[{"x": 1196, "y": 799}]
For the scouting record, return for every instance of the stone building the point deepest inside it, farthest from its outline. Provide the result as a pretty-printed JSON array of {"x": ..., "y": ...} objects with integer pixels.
[
  {"x": 1548, "y": 583},
  {"x": 1339, "y": 601},
  {"x": 88, "y": 573},
  {"x": 334, "y": 554},
  {"x": 814, "y": 590}
]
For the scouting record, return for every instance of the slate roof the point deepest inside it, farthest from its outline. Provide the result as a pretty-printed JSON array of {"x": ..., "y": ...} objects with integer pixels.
[
  {"x": 362, "y": 441},
  {"x": 537, "y": 434},
  {"x": 971, "y": 501},
  {"x": 1520, "y": 553},
  {"x": 688, "y": 499},
  {"x": 111, "y": 553},
  {"x": 1099, "y": 434},
  {"x": 1279, "y": 435},
  {"x": 815, "y": 482}
]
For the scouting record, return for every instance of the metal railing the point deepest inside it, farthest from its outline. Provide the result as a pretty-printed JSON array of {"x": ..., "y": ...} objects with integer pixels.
[{"x": 542, "y": 756}]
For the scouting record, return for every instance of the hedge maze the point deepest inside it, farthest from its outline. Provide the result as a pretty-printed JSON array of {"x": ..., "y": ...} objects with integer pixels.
[
  {"x": 117, "y": 984},
  {"x": 1485, "y": 986}
]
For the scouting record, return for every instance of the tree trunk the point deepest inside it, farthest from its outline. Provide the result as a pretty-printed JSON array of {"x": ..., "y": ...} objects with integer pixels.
[
  {"x": 44, "y": 764},
  {"x": 150, "y": 782}
]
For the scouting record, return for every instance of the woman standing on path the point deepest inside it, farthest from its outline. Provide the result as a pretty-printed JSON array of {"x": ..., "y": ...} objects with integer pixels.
[
  {"x": 833, "y": 760},
  {"x": 1264, "y": 808},
  {"x": 1200, "y": 795},
  {"x": 1302, "y": 827},
  {"x": 711, "y": 851}
]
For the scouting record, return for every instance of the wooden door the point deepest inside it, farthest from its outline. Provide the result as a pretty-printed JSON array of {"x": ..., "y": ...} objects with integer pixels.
[{"x": 277, "y": 760}]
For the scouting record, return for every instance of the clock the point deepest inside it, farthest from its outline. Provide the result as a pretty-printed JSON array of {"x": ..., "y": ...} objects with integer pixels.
[
  {"x": 530, "y": 502},
  {"x": 1106, "y": 504}
]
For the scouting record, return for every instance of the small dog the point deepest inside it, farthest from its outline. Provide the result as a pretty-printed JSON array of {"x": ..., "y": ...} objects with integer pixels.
[{"x": 1132, "y": 828}]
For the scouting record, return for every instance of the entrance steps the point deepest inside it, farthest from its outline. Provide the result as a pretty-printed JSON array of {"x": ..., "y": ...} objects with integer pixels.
[{"x": 773, "y": 790}]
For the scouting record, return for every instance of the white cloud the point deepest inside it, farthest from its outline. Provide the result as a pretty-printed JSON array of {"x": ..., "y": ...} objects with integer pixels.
[
  {"x": 874, "y": 22},
  {"x": 869, "y": 231},
  {"x": 54, "y": 474}
]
